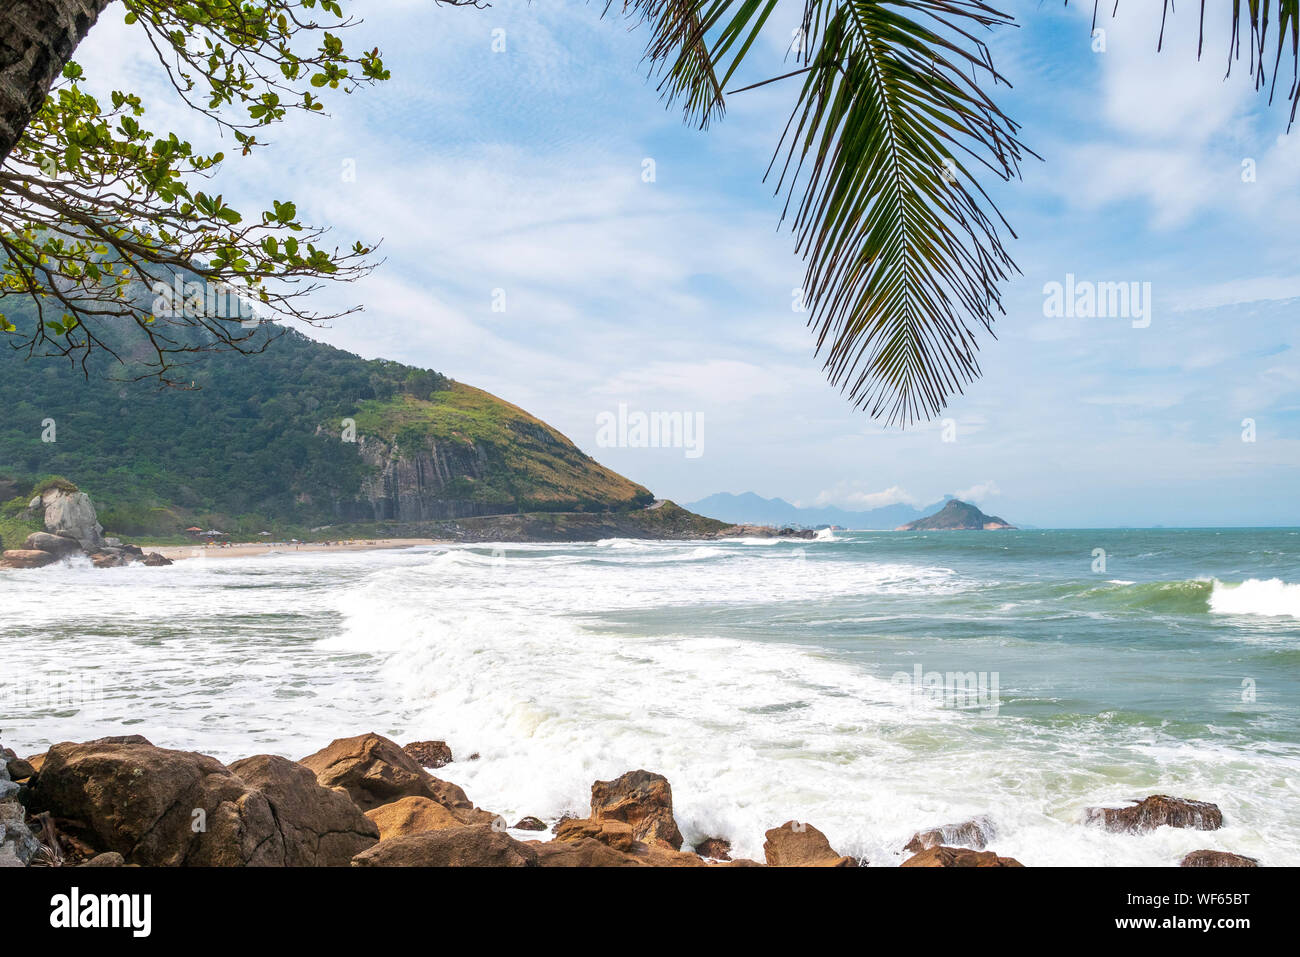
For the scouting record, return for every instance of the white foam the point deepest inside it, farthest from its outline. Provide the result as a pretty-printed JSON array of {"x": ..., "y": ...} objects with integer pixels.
[{"x": 1271, "y": 597}]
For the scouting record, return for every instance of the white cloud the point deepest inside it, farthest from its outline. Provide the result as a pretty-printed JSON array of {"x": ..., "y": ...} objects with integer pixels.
[{"x": 979, "y": 493}]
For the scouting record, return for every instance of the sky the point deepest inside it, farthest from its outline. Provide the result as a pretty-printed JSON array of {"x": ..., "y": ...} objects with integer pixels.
[{"x": 528, "y": 252}]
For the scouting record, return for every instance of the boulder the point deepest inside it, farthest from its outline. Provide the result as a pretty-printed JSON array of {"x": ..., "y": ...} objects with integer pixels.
[
  {"x": 154, "y": 560},
  {"x": 105, "y": 559},
  {"x": 16, "y": 839},
  {"x": 795, "y": 844},
  {"x": 477, "y": 846},
  {"x": 1155, "y": 811},
  {"x": 615, "y": 834},
  {"x": 26, "y": 558},
  {"x": 319, "y": 827},
  {"x": 375, "y": 771},
  {"x": 941, "y": 856},
  {"x": 107, "y": 859},
  {"x": 411, "y": 815},
  {"x": 584, "y": 852},
  {"x": 429, "y": 754},
  {"x": 17, "y": 768},
  {"x": 1217, "y": 859},
  {"x": 155, "y": 806},
  {"x": 976, "y": 833},
  {"x": 715, "y": 848},
  {"x": 69, "y": 513},
  {"x": 530, "y": 823},
  {"x": 642, "y": 799},
  {"x": 60, "y": 545}
]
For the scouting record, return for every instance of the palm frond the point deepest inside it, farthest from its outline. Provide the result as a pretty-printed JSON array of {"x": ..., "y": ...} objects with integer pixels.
[
  {"x": 902, "y": 245},
  {"x": 678, "y": 50}
]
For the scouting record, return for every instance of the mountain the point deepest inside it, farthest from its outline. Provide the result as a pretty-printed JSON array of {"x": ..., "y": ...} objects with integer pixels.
[
  {"x": 295, "y": 438},
  {"x": 956, "y": 516},
  {"x": 750, "y": 508}
]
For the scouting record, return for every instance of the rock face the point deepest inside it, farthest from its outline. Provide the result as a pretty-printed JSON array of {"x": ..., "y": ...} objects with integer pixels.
[
  {"x": 958, "y": 857},
  {"x": 1156, "y": 811},
  {"x": 411, "y": 815},
  {"x": 641, "y": 799},
  {"x": 154, "y": 806},
  {"x": 956, "y": 516},
  {"x": 615, "y": 834},
  {"x": 795, "y": 844},
  {"x": 976, "y": 833},
  {"x": 375, "y": 771},
  {"x": 69, "y": 512},
  {"x": 429, "y": 754},
  {"x": 60, "y": 545},
  {"x": 715, "y": 848},
  {"x": 319, "y": 827},
  {"x": 1217, "y": 859},
  {"x": 478, "y": 846},
  {"x": 17, "y": 843}
]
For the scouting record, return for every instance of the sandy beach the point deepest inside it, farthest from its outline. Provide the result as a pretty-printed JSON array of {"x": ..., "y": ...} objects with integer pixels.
[{"x": 254, "y": 549}]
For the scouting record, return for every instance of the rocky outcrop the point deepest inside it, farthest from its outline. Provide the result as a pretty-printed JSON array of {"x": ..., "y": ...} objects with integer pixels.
[
  {"x": 429, "y": 754},
  {"x": 26, "y": 558},
  {"x": 714, "y": 848},
  {"x": 59, "y": 545},
  {"x": 68, "y": 512},
  {"x": 411, "y": 815},
  {"x": 154, "y": 806},
  {"x": 1158, "y": 810},
  {"x": 1217, "y": 859},
  {"x": 976, "y": 833},
  {"x": 72, "y": 529},
  {"x": 319, "y": 827},
  {"x": 941, "y": 856},
  {"x": 796, "y": 844},
  {"x": 529, "y": 823},
  {"x": 615, "y": 834},
  {"x": 18, "y": 845},
  {"x": 585, "y": 852},
  {"x": 764, "y": 531},
  {"x": 641, "y": 799},
  {"x": 374, "y": 771},
  {"x": 477, "y": 846}
]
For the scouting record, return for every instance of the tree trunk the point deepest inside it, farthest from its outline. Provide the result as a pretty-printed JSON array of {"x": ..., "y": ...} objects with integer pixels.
[{"x": 37, "y": 38}]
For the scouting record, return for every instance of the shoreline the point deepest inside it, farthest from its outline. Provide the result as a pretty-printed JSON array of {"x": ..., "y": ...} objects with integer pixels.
[{"x": 256, "y": 549}]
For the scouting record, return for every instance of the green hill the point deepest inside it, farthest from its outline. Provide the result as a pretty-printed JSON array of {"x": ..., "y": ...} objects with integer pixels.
[{"x": 300, "y": 437}]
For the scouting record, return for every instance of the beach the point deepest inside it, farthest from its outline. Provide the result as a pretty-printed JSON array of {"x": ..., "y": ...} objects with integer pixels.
[{"x": 256, "y": 549}]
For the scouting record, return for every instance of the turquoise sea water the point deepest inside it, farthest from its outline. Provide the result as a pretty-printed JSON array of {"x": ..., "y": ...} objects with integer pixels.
[{"x": 871, "y": 684}]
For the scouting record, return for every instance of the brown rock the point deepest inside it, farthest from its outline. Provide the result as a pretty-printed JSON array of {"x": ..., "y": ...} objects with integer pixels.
[
  {"x": 125, "y": 795},
  {"x": 615, "y": 834},
  {"x": 478, "y": 846},
  {"x": 1155, "y": 811},
  {"x": 583, "y": 852},
  {"x": 107, "y": 859},
  {"x": 974, "y": 833},
  {"x": 60, "y": 545},
  {"x": 794, "y": 844},
  {"x": 530, "y": 823},
  {"x": 107, "y": 560},
  {"x": 154, "y": 560},
  {"x": 375, "y": 771},
  {"x": 1218, "y": 859},
  {"x": 19, "y": 770},
  {"x": 320, "y": 827},
  {"x": 958, "y": 857},
  {"x": 411, "y": 815},
  {"x": 717, "y": 848},
  {"x": 429, "y": 754},
  {"x": 642, "y": 799},
  {"x": 26, "y": 558}
]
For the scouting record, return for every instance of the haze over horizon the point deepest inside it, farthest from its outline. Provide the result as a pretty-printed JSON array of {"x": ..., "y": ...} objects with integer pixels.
[{"x": 521, "y": 172}]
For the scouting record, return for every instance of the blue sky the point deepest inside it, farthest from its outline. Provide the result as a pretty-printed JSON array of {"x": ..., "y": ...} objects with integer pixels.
[{"x": 522, "y": 170}]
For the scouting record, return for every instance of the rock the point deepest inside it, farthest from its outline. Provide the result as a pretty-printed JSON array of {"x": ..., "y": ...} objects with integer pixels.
[
  {"x": 107, "y": 560},
  {"x": 477, "y": 846},
  {"x": 429, "y": 754},
  {"x": 941, "y": 856},
  {"x": 584, "y": 852},
  {"x": 60, "y": 545},
  {"x": 123, "y": 794},
  {"x": 1218, "y": 859},
  {"x": 27, "y": 558},
  {"x": 69, "y": 512},
  {"x": 154, "y": 560},
  {"x": 9, "y": 789},
  {"x": 555, "y": 828},
  {"x": 1155, "y": 811},
  {"x": 8, "y": 857},
  {"x": 411, "y": 815},
  {"x": 107, "y": 859},
  {"x": 16, "y": 838},
  {"x": 615, "y": 834},
  {"x": 530, "y": 824},
  {"x": 375, "y": 771},
  {"x": 976, "y": 833},
  {"x": 794, "y": 844},
  {"x": 715, "y": 848},
  {"x": 19, "y": 769},
  {"x": 319, "y": 827},
  {"x": 642, "y": 799}
]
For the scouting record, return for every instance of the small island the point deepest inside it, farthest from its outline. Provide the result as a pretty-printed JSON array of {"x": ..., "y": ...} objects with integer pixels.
[{"x": 956, "y": 516}]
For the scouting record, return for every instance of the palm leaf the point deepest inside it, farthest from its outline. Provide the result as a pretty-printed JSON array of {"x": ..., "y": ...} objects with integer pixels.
[{"x": 678, "y": 50}]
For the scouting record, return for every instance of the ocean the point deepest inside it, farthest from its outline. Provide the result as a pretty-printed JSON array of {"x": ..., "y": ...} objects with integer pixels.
[{"x": 869, "y": 683}]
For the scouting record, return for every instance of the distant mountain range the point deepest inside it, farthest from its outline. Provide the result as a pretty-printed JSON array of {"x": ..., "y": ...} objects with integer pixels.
[{"x": 748, "y": 508}]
